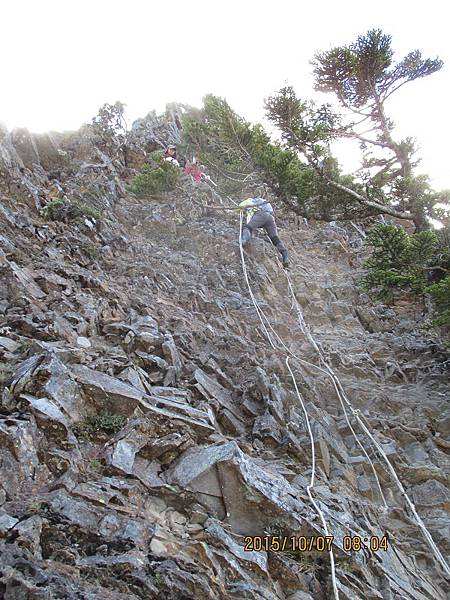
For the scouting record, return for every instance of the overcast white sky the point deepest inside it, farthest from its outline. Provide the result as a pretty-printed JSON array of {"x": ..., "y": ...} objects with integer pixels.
[{"x": 62, "y": 59}]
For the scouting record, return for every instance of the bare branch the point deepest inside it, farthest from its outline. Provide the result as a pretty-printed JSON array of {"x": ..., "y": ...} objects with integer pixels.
[{"x": 389, "y": 210}]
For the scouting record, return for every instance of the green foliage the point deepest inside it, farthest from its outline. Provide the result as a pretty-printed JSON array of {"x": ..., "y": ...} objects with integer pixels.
[
  {"x": 65, "y": 210},
  {"x": 362, "y": 76},
  {"x": 156, "y": 177},
  {"x": 398, "y": 263},
  {"x": 35, "y": 506},
  {"x": 89, "y": 249},
  {"x": 303, "y": 124},
  {"x": 344, "y": 563},
  {"x": 240, "y": 156},
  {"x": 440, "y": 293},
  {"x": 85, "y": 210},
  {"x": 158, "y": 581},
  {"x": 95, "y": 465},
  {"x": 363, "y": 70},
  {"x": 103, "y": 423},
  {"x": 402, "y": 263},
  {"x": 414, "y": 193},
  {"x": 53, "y": 209},
  {"x": 442, "y": 253},
  {"x": 219, "y": 138}
]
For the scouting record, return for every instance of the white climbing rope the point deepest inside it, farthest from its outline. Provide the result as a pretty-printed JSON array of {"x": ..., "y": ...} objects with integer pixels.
[
  {"x": 342, "y": 396},
  {"x": 340, "y": 392},
  {"x": 305, "y": 332},
  {"x": 343, "y": 400},
  {"x": 311, "y": 484},
  {"x": 261, "y": 317},
  {"x": 258, "y": 309},
  {"x": 338, "y": 388}
]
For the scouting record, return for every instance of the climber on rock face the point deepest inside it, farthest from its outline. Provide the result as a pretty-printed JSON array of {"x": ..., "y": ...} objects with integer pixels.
[
  {"x": 170, "y": 155},
  {"x": 260, "y": 215}
]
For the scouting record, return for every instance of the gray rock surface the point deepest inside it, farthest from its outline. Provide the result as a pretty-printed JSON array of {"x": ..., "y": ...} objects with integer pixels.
[{"x": 147, "y": 427}]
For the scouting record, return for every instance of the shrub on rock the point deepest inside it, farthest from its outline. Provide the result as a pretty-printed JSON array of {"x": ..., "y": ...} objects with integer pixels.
[{"x": 155, "y": 177}]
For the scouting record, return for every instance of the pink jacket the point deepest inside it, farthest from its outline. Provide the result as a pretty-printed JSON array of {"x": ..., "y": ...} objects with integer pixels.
[{"x": 194, "y": 171}]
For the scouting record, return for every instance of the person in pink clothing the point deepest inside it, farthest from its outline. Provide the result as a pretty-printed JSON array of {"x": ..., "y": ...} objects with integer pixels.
[{"x": 194, "y": 172}]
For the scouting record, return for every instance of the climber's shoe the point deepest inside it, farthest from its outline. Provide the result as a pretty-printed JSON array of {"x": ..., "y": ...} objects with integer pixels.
[{"x": 284, "y": 258}]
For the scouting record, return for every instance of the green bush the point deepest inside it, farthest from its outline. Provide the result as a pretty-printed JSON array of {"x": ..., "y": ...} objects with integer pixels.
[
  {"x": 440, "y": 293},
  {"x": 156, "y": 177},
  {"x": 110, "y": 128},
  {"x": 53, "y": 209},
  {"x": 59, "y": 209},
  {"x": 398, "y": 263},
  {"x": 402, "y": 263},
  {"x": 102, "y": 423},
  {"x": 90, "y": 250},
  {"x": 241, "y": 156},
  {"x": 85, "y": 210}
]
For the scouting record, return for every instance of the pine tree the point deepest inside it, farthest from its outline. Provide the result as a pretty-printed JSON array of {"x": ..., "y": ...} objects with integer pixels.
[
  {"x": 240, "y": 156},
  {"x": 362, "y": 77}
]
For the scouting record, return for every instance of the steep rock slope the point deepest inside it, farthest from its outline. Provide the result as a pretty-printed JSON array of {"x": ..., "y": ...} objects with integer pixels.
[{"x": 148, "y": 426}]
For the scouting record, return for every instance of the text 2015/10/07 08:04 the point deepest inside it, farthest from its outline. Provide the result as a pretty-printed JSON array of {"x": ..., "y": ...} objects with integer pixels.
[{"x": 320, "y": 543}]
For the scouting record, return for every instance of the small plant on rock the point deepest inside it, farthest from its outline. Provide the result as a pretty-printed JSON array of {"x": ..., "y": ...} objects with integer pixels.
[
  {"x": 86, "y": 210},
  {"x": 67, "y": 211},
  {"x": 90, "y": 250},
  {"x": 52, "y": 210},
  {"x": 103, "y": 423},
  {"x": 110, "y": 129}
]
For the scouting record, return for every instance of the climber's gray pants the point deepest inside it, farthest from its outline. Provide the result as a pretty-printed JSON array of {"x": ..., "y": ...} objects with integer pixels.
[{"x": 264, "y": 220}]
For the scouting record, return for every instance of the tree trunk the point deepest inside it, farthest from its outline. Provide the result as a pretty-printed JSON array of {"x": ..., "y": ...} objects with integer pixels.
[{"x": 420, "y": 222}]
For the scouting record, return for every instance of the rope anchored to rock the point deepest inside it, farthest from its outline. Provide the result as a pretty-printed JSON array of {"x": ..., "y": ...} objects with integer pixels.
[
  {"x": 344, "y": 402},
  {"x": 309, "y": 488},
  {"x": 356, "y": 412}
]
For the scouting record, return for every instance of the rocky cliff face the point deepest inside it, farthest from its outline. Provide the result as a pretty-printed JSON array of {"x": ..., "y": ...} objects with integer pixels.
[{"x": 147, "y": 426}]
